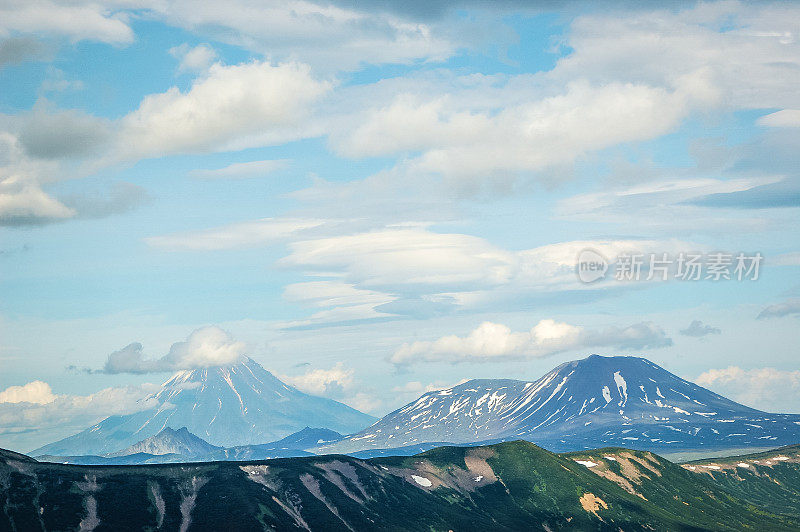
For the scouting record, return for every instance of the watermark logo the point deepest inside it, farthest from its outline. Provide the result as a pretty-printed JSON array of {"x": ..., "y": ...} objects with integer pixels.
[{"x": 591, "y": 266}]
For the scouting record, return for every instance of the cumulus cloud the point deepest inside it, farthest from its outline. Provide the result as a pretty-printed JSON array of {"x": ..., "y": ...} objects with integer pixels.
[
  {"x": 526, "y": 137},
  {"x": 790, "y": 307},
  {"x": 607, "y": 90},
  {"x": 336, "y": 383},
  {"x": 238, "y": 106},
  {"x": 35, "y": 392},
  {"x": 31, "y": 414},
  {"x": 119, "y": 198},
  {"x": 246, "y": 170},
  {"x": 493, "y": 341},
  {"x": 46, "y": 134},
  {"x": 204, "y": 348},
  {"x": 225, "y": 108},
  {"x": 769, "y": 389},
  {"x": 97, "y": 21},
  {"x": 23, "y": 202},
  {"x": 320, "y": 381},
  {"x": 698, "y": 329},
  {"x": 36, "y": 146},
  {"x": 19, "y": 49},
  {"x": 739, "y": 41}
]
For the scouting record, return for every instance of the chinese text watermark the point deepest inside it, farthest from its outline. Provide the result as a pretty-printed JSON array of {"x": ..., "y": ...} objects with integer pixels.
[{"x": 592, "y": 266}]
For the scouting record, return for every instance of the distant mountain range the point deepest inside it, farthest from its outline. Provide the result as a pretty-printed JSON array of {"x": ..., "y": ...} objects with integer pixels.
[
  {"x": 585, "y": 404},
  {"x": 502, "y": 487},
  {"x": 172, "y": 446},
  {"x": 170, "y": 442},
  {"x": 243, "y": 404},
  {"x": 589, "y": 403}
]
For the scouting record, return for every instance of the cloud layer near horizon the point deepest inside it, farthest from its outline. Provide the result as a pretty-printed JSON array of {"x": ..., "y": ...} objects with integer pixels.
[
  {"x": 33, "y": 407},
  {"x": 762, "y": 388},
  {"x": 492, "y": 341}
]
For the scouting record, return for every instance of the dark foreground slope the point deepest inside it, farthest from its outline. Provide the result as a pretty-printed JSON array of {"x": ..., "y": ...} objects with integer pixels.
[{"x": 509, "y": 486}]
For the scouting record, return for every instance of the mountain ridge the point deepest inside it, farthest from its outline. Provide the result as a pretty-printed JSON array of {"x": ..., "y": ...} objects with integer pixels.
[
  {"x": 174, "y": 446},
  {"x": 242, "y": 404},
  {"x": 588, "y": 403},
  {"x": 169, "y": 441},
  {"x": 507, "y": 486}
]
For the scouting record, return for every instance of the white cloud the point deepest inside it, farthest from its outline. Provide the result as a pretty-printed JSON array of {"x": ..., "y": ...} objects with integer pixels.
[
  {"x": 244, "y": 234},
  {"x": 194, "y": 59},
  {"x": 331, "y": 294},
  {"x": 748, "y": 53},
  {"x": 319, "y": 381},
  {"x": 36, "y": 392},
  {"x": 336, "y": 383},
  {"x": 78, "y": 20},
  {"x": 204, "y": 348},
  {"x": 665, "y": 206},
  {"x": 787, "y": 259},
  {"x": 41, "y": 416},
  {"x": 782, "y": 118},
  {"x": 365, "y": 402},
  {"x": 767, "y": 389},
  {"x": 341, "y": 315},
  {"x": 698, "y": 329},
  {"x": 23, "y": 202},
  {"x": 476, "y": 134},
  {"x": 46, "y": 133},
  {"x": 416, "y": 388},
  {"x": 16, "y": 50},
  {"x": 415, "y": 267},
  {"x": 789, "y": 307},
  {"x": 246, "y": 170},
  {"x": 399, "y": 256},
  {"x": 229, "y": 107},
  {"x": 615, "y": 84},
  {"x": 323, "y": 34},
  {"x": 492, "y": 341},
  {"x": 407, "y": 269}
]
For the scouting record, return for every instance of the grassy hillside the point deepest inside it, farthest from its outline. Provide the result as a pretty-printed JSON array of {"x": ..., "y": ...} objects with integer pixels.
[
  {"x": 770, "y": 480},
  {"x": 509, "y": 486}
]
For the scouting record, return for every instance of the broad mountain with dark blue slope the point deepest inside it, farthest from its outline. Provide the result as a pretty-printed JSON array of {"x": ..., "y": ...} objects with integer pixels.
[
  {"x": 171, "y": 446},
  {"x": 243, "y": 404},
  {"x": 589, "y": 403},
  {"x": 170, "y": 442}
]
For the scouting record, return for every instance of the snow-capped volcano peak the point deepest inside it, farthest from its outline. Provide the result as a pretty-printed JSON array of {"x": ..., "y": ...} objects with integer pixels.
[
  {"x": 592, "y": 402},
  {"x": 241, "y": 404}
]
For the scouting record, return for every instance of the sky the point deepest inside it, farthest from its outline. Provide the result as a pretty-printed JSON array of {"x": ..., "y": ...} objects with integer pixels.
[{"x": 375, "y": 199}]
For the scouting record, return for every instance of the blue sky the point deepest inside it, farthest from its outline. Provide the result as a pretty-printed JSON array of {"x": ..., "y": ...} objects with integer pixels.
[{"x": 373, "y": 200}]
